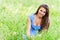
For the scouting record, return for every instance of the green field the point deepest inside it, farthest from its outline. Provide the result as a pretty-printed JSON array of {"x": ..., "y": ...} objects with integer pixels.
[{"x": 13, "y": 19}]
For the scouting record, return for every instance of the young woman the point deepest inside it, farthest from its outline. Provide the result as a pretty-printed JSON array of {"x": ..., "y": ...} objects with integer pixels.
[{"x": 38, "y": 21}]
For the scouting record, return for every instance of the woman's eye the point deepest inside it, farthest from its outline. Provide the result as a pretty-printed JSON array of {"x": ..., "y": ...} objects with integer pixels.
[
  {"x": 44, "y": 12},
  {"x": 41, "y": 10}
]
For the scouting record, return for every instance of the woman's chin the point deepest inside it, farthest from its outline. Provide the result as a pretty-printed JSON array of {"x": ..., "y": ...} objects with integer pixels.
[{"x": 40, "y": 16}]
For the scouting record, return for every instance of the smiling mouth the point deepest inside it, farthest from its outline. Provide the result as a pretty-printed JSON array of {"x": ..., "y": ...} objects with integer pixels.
[{"x": 41, "y": 14}]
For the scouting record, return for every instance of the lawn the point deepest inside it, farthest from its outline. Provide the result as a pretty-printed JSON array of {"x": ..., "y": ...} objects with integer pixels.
[{"x": 13, "y": 19}]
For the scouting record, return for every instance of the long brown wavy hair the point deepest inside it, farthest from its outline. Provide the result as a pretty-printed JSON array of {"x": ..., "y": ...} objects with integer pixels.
[{"x": 45, "y": 19}]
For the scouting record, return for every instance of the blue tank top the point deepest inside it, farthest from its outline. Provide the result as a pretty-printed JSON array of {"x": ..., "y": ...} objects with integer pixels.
[{"x": 34, "y": 29}]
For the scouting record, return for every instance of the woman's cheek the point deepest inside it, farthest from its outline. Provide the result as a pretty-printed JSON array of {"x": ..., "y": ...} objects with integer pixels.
[{"x": 43, "y": 14}]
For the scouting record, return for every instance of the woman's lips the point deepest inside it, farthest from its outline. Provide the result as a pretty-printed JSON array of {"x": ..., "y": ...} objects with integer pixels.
[{"x": 41, "y": 14}]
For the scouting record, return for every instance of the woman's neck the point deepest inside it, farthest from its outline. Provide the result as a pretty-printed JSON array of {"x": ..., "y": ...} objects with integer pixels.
[{"x": 38, "y": 17}]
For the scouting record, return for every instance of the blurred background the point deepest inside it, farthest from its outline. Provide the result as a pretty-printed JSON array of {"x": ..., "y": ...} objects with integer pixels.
[{"x": 13, "y": 18}]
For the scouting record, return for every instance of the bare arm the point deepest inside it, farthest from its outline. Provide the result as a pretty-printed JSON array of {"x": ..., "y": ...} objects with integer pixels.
[{"x": 28, "y": 27}]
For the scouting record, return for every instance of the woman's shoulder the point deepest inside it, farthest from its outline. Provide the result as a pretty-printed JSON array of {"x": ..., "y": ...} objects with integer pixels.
[{"x": 31, "y": 15}]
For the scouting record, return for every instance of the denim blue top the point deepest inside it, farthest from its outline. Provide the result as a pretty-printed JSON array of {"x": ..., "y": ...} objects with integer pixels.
[{"x": 34, "y": 29}]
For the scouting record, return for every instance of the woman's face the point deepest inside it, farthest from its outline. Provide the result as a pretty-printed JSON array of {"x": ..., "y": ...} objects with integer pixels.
[{"x": 41, "y": 12}]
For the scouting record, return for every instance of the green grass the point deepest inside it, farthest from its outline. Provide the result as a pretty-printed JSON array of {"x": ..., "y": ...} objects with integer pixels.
[{"x": 13, "y": 19}]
